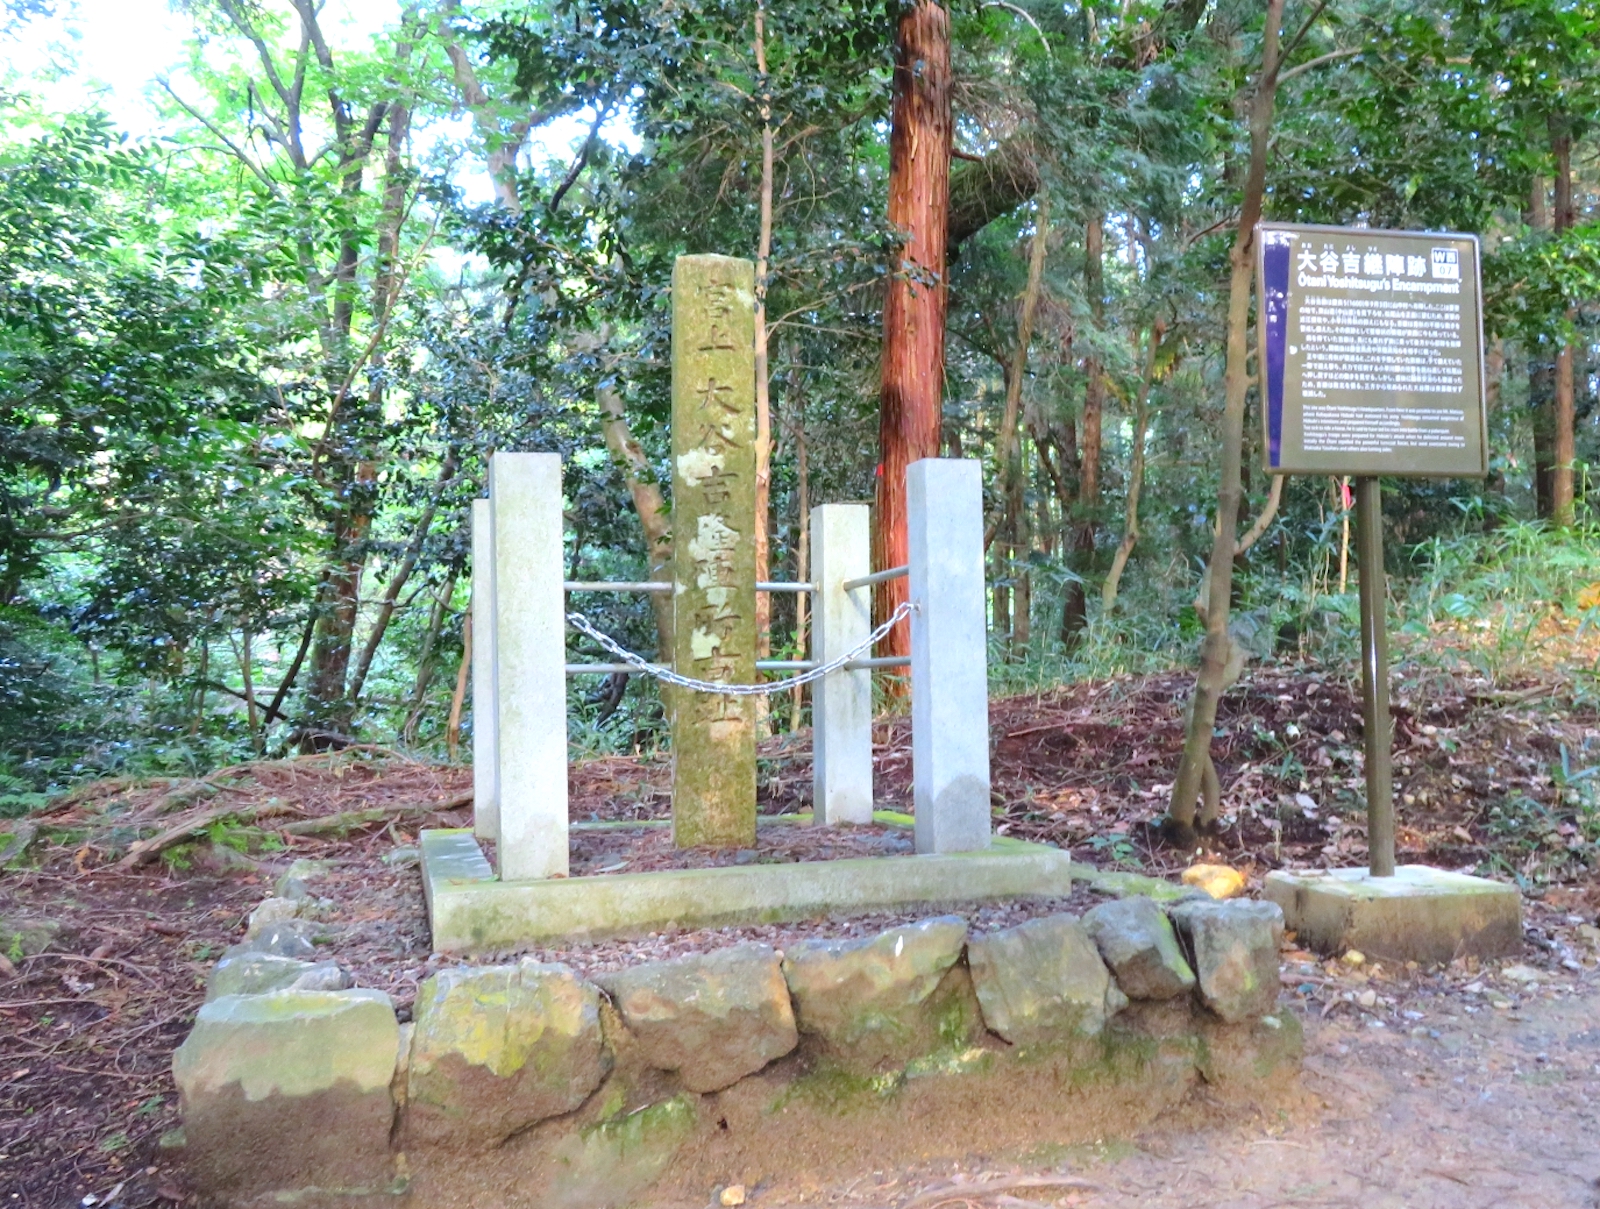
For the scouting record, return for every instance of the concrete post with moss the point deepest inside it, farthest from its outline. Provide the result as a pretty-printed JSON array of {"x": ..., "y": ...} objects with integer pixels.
[
  {"x": 485, "y": 749},
  {"x": 949, "y": 657},
  {"x": 714, "y": 554},
  {"x": 841, "y": 702},
  {"x": 530, "y": 673}
]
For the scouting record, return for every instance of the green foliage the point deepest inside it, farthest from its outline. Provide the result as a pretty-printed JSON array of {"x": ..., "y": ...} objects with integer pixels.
[{"x": 250, "y": 375}]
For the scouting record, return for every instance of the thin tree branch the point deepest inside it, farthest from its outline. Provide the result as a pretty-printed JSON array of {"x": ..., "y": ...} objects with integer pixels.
[
  {"x": 1302, "y": 68},
  {"x": 1264, "y": 521},
  {"x": 1305, "y": 28},
  {"x": 1028, "y": 17},
  {"x": 601, "y": 113},
  {"x": 233, "y": 148}
]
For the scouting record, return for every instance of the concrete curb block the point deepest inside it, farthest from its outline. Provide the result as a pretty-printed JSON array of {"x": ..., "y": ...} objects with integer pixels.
[{"x": 471, "y": 911}]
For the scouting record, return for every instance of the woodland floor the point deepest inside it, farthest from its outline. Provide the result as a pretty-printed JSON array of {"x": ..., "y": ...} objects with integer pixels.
[
  {"x": 1456, "y": 1104},
  {"x": 1487, "y": 777}
]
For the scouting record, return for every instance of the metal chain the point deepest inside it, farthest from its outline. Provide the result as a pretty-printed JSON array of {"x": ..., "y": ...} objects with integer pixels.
[{"x": 583, "y": 625}]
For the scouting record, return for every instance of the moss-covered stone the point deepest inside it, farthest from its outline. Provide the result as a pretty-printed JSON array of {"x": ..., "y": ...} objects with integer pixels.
[
  {"x": 23, "y": 936},
  {"x": 711, "y": 1017},
  {"x": 1233, "y": 947},
  {"x": 289, "y": 1090},
  {"x": 1241, "y": 1057},
  {"x": 250, "y": 973},
  {"x": 1419, "y": 914},
  {"x": 1042, "y": 982},
  {"x": 611, "y": 1162},
  {"x": 1137, "y": 942},
  {"x": 497, "y": 1049},
  {"x": 1122, "y": 884},
  {"x": 294, "y": 883},
  {"x": 878, "y": 999}
]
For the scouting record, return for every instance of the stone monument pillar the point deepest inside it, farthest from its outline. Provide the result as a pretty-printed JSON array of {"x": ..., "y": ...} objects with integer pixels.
[{"x": 714, "y": 553}]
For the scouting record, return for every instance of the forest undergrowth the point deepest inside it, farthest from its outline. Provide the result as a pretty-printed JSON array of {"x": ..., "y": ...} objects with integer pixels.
[{"x": 116, "y": 897}]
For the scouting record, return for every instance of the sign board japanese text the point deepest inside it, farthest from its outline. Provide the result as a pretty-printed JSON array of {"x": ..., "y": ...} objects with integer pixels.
[{"x": 1371, "y": 352}]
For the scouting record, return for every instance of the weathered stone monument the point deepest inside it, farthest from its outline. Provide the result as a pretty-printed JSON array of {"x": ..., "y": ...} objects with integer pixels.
[
  {"x": 297, "y": 1088},
  {"x": 519, "y": 691},
  {"x": 714, "y": 553}
]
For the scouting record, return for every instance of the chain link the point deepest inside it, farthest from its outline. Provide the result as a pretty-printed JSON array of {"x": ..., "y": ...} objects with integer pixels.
[{"x": 665, "y": 674}]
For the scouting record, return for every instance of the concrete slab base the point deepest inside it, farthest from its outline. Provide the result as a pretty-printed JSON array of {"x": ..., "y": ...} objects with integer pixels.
[
  {"x": 1420, "y": 914},
  {"x": 470, "y": 910}
]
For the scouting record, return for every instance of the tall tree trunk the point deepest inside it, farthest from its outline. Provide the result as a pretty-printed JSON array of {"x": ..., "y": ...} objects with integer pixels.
[
  {"x": 911, "y": 399},
  {"x": 1000, "y": 575},
  {"x": 1009, "y": 443},
  {"x": 1218, "y": 662},
  {"x": 351, "y": 437},
  {"x": 330, "y": 652},
  {"x": 452, "y": 729},
  {"x": 1564, "y": 450},
  {"x": 252, "y": 713},
  {"x": 648, "y": 503},
  {"x": 763, "y": 373},
  {"x": 397, "y": 582},
  {"x": 1021, "y": 548},
  {"x": 1094, "y": 406},
  {"x": 1130, "y": 507},
  {"x": 1494, "y": 374},
  {"x": 802, "y": 563},
  {"x": 426, "y": 660},
  {"x": 1541, "y": 380}
]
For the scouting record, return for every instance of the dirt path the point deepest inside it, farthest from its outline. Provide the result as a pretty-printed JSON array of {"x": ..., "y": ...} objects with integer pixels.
[{"x": 1483, "y": 1109}]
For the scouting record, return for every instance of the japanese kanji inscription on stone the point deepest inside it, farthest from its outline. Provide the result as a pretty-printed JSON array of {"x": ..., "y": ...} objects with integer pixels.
[{"x": 714, "y": 558}]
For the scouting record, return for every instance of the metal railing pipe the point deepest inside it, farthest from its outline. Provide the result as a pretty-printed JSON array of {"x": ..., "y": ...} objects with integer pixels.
[
  {"x": 867, "y": 665},
  {"x": 877, "y": 577},
  {"x": 615, "y": 585}
]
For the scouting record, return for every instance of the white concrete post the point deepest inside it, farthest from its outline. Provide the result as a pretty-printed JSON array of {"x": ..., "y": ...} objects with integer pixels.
[
  {"x": 530, "y": 655},
  {"x": 841, "y": 703},
  {"x": 949, "y": 658},
  {"x": 485, "y": 709}
]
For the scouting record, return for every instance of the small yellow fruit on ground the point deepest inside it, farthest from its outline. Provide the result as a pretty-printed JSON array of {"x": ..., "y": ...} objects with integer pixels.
[
  {"x": 1219, "y": 881},
  {"x": 1354, "y": 957},
  {"x": 733, "y": 1194}
]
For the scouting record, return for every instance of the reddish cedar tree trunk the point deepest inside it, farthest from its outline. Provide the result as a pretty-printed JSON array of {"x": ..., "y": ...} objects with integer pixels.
[{"x": 913, "y": 313}]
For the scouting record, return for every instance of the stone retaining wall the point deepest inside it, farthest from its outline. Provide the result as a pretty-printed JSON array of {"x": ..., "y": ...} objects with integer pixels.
[{"x": 523, "y": 1084}]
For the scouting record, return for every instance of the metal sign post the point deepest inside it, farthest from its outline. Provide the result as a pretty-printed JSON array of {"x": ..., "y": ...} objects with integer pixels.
[
  {"x": 1376, "y": 726},
  {"x": 1372, "y": 359}
]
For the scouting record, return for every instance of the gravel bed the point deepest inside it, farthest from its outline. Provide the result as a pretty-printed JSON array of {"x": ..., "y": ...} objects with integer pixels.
[
  {"x": 377, "y": 928},
  {"x": 600, "y": 957},
  {"x": 650, "y": 849}
]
